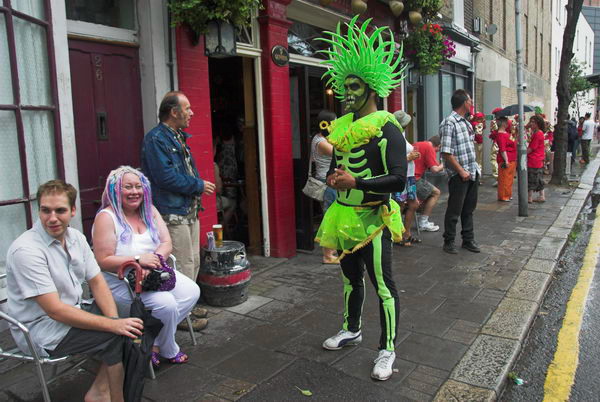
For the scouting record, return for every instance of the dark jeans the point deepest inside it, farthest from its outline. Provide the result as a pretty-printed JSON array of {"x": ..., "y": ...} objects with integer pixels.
[
  {"x": 462, "y": 200},
  {"x": 585, "y": 150}
]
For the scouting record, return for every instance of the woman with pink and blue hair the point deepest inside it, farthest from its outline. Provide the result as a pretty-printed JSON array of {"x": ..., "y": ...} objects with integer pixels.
[{"x": 128, "y": 227}]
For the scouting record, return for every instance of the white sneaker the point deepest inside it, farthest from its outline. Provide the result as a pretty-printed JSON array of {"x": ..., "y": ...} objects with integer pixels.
[
  {"x": 429, "y": 226},
  {"x": 383, "y": 365},
  {"x": 343, "y": 338}
]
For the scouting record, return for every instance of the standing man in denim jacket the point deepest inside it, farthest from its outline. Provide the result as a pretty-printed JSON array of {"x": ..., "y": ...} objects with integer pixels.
[{"x": 176, "y": 184}]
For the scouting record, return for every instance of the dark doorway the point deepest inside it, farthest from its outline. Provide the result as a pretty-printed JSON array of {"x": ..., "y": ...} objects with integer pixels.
[
  {"x": 107, "y": 110},
  {"x": 308, "y": 96},
  {"x": 235, "y": 144}
]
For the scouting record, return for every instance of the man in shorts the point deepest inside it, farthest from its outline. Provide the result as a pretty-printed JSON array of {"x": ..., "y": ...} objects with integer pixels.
[
  {"x": 45, "y": 269},
  {"x": 427, "y": 193}
]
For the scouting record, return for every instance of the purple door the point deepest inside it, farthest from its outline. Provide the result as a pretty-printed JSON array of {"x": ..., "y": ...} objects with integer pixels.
[{"x": 107, "y": 109}]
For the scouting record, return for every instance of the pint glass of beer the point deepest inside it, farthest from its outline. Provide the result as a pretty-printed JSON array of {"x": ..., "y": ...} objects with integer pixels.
[{"x": 218, "y": 232}]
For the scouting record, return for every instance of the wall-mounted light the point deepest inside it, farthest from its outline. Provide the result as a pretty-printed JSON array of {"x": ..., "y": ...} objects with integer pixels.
[
  {"x": 329, "y": 91},
  {"x": 220, "y": 39}
]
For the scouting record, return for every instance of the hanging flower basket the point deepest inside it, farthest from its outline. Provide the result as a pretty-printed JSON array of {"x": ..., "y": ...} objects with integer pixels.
[
  {"x": 427, "y": 48},
  {"x": 196, "y": 14}
]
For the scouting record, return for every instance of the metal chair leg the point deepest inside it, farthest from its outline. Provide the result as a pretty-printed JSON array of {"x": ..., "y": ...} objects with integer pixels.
[
  {"x": 191, "y": 329},
  {"x": 151, "y": 371},
  {"x": 417, "y": 224},
  {"x": 42, "y": 378}
]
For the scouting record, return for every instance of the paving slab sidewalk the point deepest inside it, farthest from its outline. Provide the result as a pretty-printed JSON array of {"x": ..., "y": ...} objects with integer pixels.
[{"x": 462, "y": 320}]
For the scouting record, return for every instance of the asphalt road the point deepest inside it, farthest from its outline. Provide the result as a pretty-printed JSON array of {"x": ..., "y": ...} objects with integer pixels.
[
  {"x": 539, "y": 349},
  {"x": 587, "y": 386}
]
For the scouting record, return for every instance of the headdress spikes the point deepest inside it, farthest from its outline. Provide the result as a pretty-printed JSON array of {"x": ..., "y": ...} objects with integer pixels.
[{"x": 369, "y": 57}]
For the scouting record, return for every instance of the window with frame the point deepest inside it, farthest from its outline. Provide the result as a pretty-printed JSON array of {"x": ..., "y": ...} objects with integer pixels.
[
  {"x": 29, "y": 125},
  {"x": 451, "y": 77}
]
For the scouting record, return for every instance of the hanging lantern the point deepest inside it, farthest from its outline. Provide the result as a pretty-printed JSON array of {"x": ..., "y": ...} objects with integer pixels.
[
  {"x": 219, "y": 40},
  {"x": 397, "y": 7},
  {"x": 358, "y": 6},
  {"x": 415, "y": 17}
]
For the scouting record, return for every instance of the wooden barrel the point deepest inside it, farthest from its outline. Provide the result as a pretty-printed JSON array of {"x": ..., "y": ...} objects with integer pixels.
[{"x": 225, "y": 275}]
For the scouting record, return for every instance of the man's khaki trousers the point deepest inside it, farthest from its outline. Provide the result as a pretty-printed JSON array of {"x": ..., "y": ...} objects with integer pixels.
[{"x": 186, "y": 248}]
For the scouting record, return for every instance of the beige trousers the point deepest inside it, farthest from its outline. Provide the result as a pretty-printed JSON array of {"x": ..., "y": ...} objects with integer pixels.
[{"x": 186, "y": 248}]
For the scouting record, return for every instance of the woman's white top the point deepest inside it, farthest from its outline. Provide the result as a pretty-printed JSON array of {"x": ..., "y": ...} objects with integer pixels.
[
  {"x": 410, "y": 169},
  {"x": 322, "y": 162},
  {"x": 140, "y": 243}
]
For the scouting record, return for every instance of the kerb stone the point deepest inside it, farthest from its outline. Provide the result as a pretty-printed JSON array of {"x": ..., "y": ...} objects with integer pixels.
[
  {"x": 454, "y": 391},
  {"x": 529, "y": 285},
  {"x": 486, "y": 363},
  {"x": 511, "y": 319}
]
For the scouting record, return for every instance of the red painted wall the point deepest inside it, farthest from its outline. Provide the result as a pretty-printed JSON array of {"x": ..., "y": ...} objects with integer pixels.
[
  {"x": 395, "y": 100},
  {"x": 278, "y": 131},
  {"x": 192, "y": 72}
]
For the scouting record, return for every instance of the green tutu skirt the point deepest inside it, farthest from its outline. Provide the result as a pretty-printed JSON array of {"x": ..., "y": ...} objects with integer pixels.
[{"x": 351, "y": 228}]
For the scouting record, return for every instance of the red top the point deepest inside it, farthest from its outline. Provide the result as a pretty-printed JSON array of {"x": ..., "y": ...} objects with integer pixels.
[
  {"x": 535, "y": 158},
  {"x": 549, "y": 137},
  {"x": 506, "y": 144},
  {"x": 428, "y": 157}
]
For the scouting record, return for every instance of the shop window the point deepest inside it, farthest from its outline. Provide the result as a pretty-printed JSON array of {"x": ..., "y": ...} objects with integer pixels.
[
  {"x": 248, "y": 35},
  {"x": 302, "y": 40},
  {"x": 114, "y": 13},
  {"x": 28, "y": 115}
]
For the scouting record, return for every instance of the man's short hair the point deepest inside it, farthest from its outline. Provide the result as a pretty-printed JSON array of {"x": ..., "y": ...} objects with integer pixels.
[
  {"x": 435, "y": 141},
  {"x": 588, "y": 115},
  {"x": 57, "y": 187},
  {"x": 459, "y": 97},
  {"x": 538, "y": 121},
  {"x": 169, "y": 102}
]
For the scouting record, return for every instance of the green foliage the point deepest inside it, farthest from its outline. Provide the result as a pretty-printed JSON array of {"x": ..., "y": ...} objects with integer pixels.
[
  {"x": 428, "y": 48},
  {"x": 577, "y": 81},
  {"x": 197, "y": 13},
  {"x": 578, "y": 85},
  {"x": 429, "y": 8}
]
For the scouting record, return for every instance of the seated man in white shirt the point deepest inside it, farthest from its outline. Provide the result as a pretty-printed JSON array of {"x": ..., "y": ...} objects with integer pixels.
[{"x": 45, "y": 268}]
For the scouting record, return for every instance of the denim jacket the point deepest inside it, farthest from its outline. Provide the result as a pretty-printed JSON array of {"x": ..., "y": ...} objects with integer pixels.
[{"x": 163, "y": 163}]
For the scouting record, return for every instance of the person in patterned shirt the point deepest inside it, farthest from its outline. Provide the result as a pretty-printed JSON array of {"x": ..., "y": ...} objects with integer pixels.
[{"x": 463, "y": 171}]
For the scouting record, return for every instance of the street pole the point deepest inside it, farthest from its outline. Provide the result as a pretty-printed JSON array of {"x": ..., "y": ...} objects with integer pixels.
[{"x": 521, "y": 149}]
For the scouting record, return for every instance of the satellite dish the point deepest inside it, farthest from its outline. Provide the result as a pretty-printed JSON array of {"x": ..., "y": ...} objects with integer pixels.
[{"x": 491, "y": 29}]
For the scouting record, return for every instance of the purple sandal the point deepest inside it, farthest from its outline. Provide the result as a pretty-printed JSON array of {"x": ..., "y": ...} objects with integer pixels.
[
  {"x": 180, "y": 358},
  {"x": 155, "y": 359}
]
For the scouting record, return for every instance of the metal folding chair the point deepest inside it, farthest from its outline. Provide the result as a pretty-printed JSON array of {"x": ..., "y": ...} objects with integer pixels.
[{"x": 33, "y": 357}]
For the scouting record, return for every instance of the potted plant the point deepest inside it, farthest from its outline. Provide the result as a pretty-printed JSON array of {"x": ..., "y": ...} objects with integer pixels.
[
  {"x": 197, "y": 14},
  {"x": 422, "y": 10},
  {"x": 427, "y": 48}
]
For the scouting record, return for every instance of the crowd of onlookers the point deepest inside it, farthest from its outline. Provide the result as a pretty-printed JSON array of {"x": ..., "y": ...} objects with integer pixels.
[{"x": 421, "y": 195}]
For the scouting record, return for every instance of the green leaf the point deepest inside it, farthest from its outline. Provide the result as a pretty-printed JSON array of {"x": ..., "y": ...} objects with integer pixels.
[{"x": 304, "y": 392}]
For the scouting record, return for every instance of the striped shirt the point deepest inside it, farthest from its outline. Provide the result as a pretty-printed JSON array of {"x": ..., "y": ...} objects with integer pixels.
[{"x": 457, "y": 137}]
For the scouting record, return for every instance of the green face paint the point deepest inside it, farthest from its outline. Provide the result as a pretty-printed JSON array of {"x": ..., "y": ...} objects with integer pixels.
[{"x": 356, "y": 94}]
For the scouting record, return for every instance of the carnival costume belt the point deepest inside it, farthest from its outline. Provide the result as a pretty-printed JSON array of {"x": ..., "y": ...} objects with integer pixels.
[{"x": 351, "y": 227}]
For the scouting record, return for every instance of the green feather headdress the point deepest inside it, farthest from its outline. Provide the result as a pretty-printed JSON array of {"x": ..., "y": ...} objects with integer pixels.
[{"x": 369, "y": 57}]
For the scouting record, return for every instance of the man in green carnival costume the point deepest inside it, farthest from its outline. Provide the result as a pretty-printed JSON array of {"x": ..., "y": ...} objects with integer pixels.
[{"x": 368, "y": 164}]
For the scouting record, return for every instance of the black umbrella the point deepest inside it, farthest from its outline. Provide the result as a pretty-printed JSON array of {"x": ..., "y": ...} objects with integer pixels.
[
  {"x": 137, "y": 352},
  {"x": 514, "y": 109}
]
